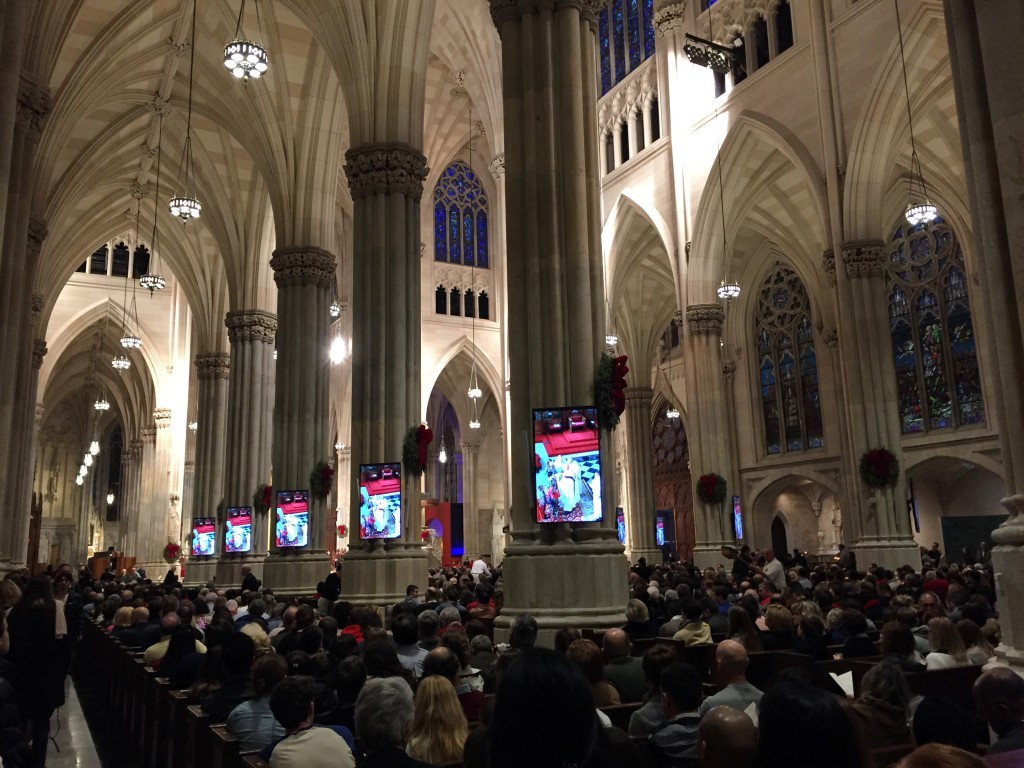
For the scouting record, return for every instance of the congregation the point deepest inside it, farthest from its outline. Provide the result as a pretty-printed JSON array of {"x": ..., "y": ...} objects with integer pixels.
[{"x": 694, "y": 677}]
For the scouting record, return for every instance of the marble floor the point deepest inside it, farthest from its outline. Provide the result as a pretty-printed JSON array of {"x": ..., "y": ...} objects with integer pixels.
[{"x": 71, "y": 745}]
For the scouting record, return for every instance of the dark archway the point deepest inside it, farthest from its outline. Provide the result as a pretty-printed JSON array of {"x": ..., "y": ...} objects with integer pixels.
[{"x": 779, "y": 541}]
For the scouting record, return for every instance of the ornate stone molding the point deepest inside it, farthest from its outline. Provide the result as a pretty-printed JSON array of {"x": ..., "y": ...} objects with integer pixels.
[
  {"x": 162, "y": 418},
  {"x": 37, "y": 232},
  {"x": 864, "y": 258},
  {"x": 639, "y": 397},
  {"x": 705, "y": 318},
  {"x": 504, "y": 10},
  {"x": 831, "y": 337},
  {"x": 126, "y": 457},
  {"x": 213, "y": 365},
  {"x": 344, "y": 454},
  {"x": 36, "y": 309},
  {"x": 303, "y": 265},
  {"x": 140, "y": 191},
  {"x": 497, "y": 165},
  {"x": 464, "y": 278},
  {"x": 148, "y": 435},
  {"x": 670, "y": 17},
  {"x": 38, "y": 353},
  {"x": 828, "y": 263},
  {"x": 385, "y": 168},
  {"x": 137, "y": 445},
  {"x": 469, "y": 446},
  {"x": 33, "y": 107},
  {"x": 251, "y": 325},
  {"x": 177, "y": 50},
  {"x": 161, "y": 106},
  {"x": 729, "y": 370}
]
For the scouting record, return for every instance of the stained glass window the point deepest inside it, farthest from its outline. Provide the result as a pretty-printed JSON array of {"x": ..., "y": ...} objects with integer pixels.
[
  {"x": 619, "y": 38},
  {"x": 648, "y": 28},
  {"x": 98, "y": 261},
  {"x": 787, "y": 365},
  {"x": 121, "y": 257},
  {"x": 440, "y": 300},
  {"x": 938, "y": 384},
  {"x": 606, "y": 54},
  {"x": 625, "y": 38},
  {"x": 633, "y": 24},
  {"x": 460, "y": 218}
]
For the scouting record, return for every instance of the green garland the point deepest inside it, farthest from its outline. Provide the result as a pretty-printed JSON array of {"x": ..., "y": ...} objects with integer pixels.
[
  {"x": 879, "y": 468},
  {"x": 607, "y": 418},
  {"x": 411, "y": 452},
  {"x": 320, "y": 480}
]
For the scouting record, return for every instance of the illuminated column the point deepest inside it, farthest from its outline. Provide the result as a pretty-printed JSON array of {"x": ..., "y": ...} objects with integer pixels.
[
  {"x": 640, "y": 485},
  {"x": 472, "y": 543}
]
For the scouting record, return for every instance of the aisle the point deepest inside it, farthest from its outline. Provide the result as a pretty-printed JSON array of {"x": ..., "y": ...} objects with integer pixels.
[{"x": 69, "y": 729}]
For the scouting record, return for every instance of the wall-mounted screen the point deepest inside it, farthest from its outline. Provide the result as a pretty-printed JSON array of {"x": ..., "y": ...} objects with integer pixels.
[
  {"x": 737, "y": 518},
  {"x": 567, "y": 465},
  {"x": 659, "y": 531},
  {"x": 620, "y": 524},
  {"x": 238, "y": 529},
  {"x": 380, "y": 501},
  {"x": 204, "y": 536},
  {"x": 291, "y": 528}
]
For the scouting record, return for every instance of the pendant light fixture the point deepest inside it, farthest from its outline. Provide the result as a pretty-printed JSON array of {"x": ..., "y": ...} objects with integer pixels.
[
  {"x": 153, "y": 280},
  {"x": 672, "y": 413},
  {"x": 920, "y": 210},
  {"x": 129, "y": 339},
  {"x": 474, "y": 392},
  {"x": 187, "y": 206},
  {"x": 242, "y": 57},
  {"x": 79, "y": 480}
]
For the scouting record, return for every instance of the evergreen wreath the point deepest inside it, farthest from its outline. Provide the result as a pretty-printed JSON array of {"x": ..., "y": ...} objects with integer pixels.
[
  {"x": 414, "y": 449},
  {"x": 263, "y": 498},
  {"x": 879, "y": 468},
  {"x": 320, "y": 480},
  {"x": 172, "y": 552},
  {"x": 711, "y": 488},
  {"x": 609, "y": 389}
]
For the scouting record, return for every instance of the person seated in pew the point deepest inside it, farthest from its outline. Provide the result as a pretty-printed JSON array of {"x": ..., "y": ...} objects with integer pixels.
[
  {"x": 349, "y": 678},
  {"x": 999, "y": 695},
  {"x": 384, "y": 713},
  {"x": 132, "y": 637},
  {"x": 780, "y": 635},
  {"x": 438, "y": 731},
  {"x": 946, "y": 647},
  {"x": 236, "y": 656},
  {"x": 857, "y": 643},
  {"x": 675, "y": 745},
  {"x": 732, "y": 660},
  {"x": 651, "y": 716},
  {"x": 587, "y": 656},
  {"x": 899, "y": 647},
  {"x": 252, "y": 722},
  {"x": 726, "y": 738},
  {"x": 441, "y": 661},
  {"x": 881, "y": 713},
  {"x": 621, "y": 669},
  {"x": 305, "y": 745},
  {"x": 169, "y": 624},
  {"x": 742, "y": 630},
  {"x": 979, "y": 650},
  {"x": 810, "y": 637},
  {"x": 695, "y": 631},
  {"x": 638, "y": 621}
]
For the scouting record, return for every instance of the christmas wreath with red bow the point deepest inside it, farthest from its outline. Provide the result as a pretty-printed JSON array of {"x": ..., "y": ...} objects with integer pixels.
[
  {"x": 172, "y": 552},
  {"x": 711, "y": 488},
  {"x": 610, "y": 390},
  {"x": 320, "y": 480},
  {"x": 414, "y": 449},
  {"x": 879, "y": 468},
  {"x": 263, "y": 498}
]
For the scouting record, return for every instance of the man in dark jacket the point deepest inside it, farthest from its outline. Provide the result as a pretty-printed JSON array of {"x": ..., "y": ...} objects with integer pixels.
[
  {"x": 249, "y": 581},
  {"x": 237, "y": 657}
]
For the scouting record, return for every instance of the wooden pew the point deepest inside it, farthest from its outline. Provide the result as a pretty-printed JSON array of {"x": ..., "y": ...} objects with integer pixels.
[
  {"x": 225, "y": 753},
  {"x": 198, "y": 750},
  {"x": 619, "y": 714},
  {"x": 254, "y": 761},
  {"x": 177, "y": 729}
]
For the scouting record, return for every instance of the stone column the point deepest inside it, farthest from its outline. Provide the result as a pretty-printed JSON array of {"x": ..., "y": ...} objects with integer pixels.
[
  {"x": 305, "y": 281},
  {"x": 883, "y": 525},
  {"x": 554, "y": 260},
  {"x": 471, "y": 539},
  {"x": 345, "y": 479},
  {"x": 160, "y": 503},
  {"x": 124, "y": 504},
  {"x": 708, "y": 435},
  {"x": 640, "y": 474},
  {"x": 145, "y": 483},
  {"x": 386, "y": 180},
  {"x": 14, "y": 16},
  {"x": 990, "y": 107},
  {"x": 187, "y": 498}
]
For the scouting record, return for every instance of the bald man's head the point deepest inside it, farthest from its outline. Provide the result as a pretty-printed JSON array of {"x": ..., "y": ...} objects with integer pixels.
[
  {"x": 732, "y": 661},
  {"x": 726, "y": 739},
  {"x": 615, "y": 644},
  {"x": 999, "y": 694}
]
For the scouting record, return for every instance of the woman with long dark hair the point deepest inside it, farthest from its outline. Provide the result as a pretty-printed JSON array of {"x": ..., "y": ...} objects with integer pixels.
[{"x": 35, "y": 654}]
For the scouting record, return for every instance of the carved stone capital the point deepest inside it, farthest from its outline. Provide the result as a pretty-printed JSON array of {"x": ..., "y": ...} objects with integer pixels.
[
  {"x": 828, "y": 263},
  {"x": 344, "y": 454},
  {"x": 37, "y": 232},
  {"x": 139, "y": 191},
  {"x": 497, "y": 166},
  {"x": 670, "y": 17},
  {"x": 148, "y": 435},
  {"x": 831, "y": 337},
  {"x": 38, "y": 353},
  {"x": 36, "y": 308},
  {"x": 864, "y": 259},
  {"x": 213, "y": 365},
  {"x": 177, "y": 50},
  {"x": 504, "y": 10},
  {"x": 469, "y": 446},
  {"x": 126, "y": 458},
  {"x": 729, "y": 371},
  {"x": 705, "y": 318},
  {"x": 161, "y": 106},
  {"x": 251, "y": 325},
  {"x": 639, "y": 397},
  {"x": 33, "y": 107},
  {"x": 385, "y": 168},
  {"x": 303, "y": 265},
  {"x": 162, "y": 418}
]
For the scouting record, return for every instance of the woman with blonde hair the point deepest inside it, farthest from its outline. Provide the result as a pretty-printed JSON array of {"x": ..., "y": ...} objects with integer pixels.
[
  {"x": 122, "y": 620},
  {"x": 947, "y": 648},
  {"x": 439, "y": 728},
  {"x": 780, "y": 635},
  {"x": 979, "y": 650}
]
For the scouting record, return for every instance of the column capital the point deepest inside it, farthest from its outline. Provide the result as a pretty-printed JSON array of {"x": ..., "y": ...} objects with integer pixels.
[
  {"x": 831, "y": 337},
  {"x": 213, "y": 365},
  {"x": 864, "y": 258},
  {"x": 504, "y": 10},
  {"x": 302, "y": 265},
  {"x": 162, "y": 418},
  {"x": 33, "y": 106},
  {"x": 729, "y": 370},
  {"x": 148, "y": 436},
  {"x": 385, "y": 167},
  {"x": 37, "y": 232},
  {"x": 639, "y": 397},
  {"x": 670, "y": 17},
  {"x": 497, "y": 165},
  {"x": 251, "y": 325},
  {"x": 705, "y": 318},
  {"x": 126, "y": 457},
  {"x": 470, "y": 446},
  {"x": 828, "y": 263},
  {"x": 38, "y": 353},
  {"x": 344, "y": 454},
  {"x": 35, "y": 308}
]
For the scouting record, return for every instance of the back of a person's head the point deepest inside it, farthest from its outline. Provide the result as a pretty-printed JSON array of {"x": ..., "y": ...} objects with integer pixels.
[
  {"x": 381, "y": 660},
  {"x": 692, "y": 609},
  {"x": 886, "y": 681},
  {"x": 825, "y": 737},
  {"x": 298, "y": 663},
  {"x": 305, "y": 616},
  {"x": 291, "y": 699},
  {"x": 441, "y": 661},
  {"x": 854, "y": 622},
  {"x": 427, "y": 624},
  {"x": 169, "y": 622},
  {"x": 439, "y": 721},
  {"x": 943, "y": 637},
  {"x": 349, "y": 678},
  {"x": 456, "y": 641},
  {"x": 727, "y": 739},
  {"x": 260, "y": 639},
  {"x": 404, "y": 630},
  {"x": 655, "y": 660},
  {"x": 239, "y": 653},
  {"x": 311, "y": 639},
  {"x": 682, "y": 684},
  {"x": 999, "y": 695},
  {"x": 897, "y": 638},
  {"x": 564, "y": 637},
  {"x": 588, "y": 656},
  {"x": 940, "y": 756},
  {"x": 384, "y": 711},
  {"x": 257, "y": 607},
  {"x": 543, "y": 715},
  {"x": 267, "y": 671},
  {"x": 522, "y": 633},
  {"x": 778, "y": 618}
]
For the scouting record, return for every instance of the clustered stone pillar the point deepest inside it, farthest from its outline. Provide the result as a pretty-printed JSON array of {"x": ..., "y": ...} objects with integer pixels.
[
  {"x": 386, "y": 180},
  {"x": 472, "y": 543},
  {"x": 305, "y": 282},
  {"x": 250, "y": 421},
  {"x": 560, "y": 574},
  {"x": 640, "y": 485},
  {"x": 146, "y": 480},
  {"x": 986, "y": 62},
  {"x": 160, "y": 500},
  {"x": 883, "y": 524}
]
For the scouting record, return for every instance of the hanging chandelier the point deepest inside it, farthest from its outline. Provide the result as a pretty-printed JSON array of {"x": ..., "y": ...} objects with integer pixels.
[
  {"x": 94, "y": 447},
  {"x": 728, "y": 290},
  {"x": 672, "y": 413},
  {"x": 110, "y": 498},
  {"x": 335, "y": 308},
  {"x": 187, "y": 206},
  {"x": 242, "y": 57},
  {"x": 121, "y": 363},
  {"x": 153, "y": 280},
  {"x": 193, "y": 426},
  {"x": 130, "y": 341},
  {"x": 101, "y": 404},
  {"x": 79, "y": 480},
  {"x": 611, "y": 339},
  {"x": 87, "y": 459},
  {"x": 442, "y": 455},
  {"x": 83, "y": 470},
  {"x": 920, "y": 210}
]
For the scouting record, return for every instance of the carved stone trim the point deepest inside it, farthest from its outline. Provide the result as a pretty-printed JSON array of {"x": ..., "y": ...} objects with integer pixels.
[
  {"x": 469, "y": 446},
  {"x": 33, "y": 107},
  {"x": 251, "y": 325},
  {"x": 38, "y": 353},
  {"x": 864, "y": 259},
  {"x": 385, "y": 168},
  {"x": 729, "y": 371},
  {"x": 140, "y": 191},
  {"x": 37, "y": 232},
  {"x": 36, "y": 309},
  {"x": 831, "y": 337},
  {"x": 670, "y": 17},
  {"x": 828, "y": 263},
  {"x": 162, "y": 418},
  {"x": 639, "y": 397},
  {"x": 148, "y": 435},
  {"x": 213, "y": 365},
  {"x": 705, "y": 318},
  {"x": 497, "y": 166},
  {"x": 303, "y": 265},
  {"x": 502, "y": 11}
]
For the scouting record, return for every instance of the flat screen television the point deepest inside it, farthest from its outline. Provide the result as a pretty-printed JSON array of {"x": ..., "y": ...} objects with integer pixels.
[
  {"x": 204, "y": 536},
  {"x": 380, "y": 501},
  {"x": 291, "y": 528},
  {"x": 620, "y": 524},
  {"x": 737, "y": 518},
  {"x": 659, "y": 531},
  {"x": 567, "y": 465},
  {"x": 238, "y": 529}
]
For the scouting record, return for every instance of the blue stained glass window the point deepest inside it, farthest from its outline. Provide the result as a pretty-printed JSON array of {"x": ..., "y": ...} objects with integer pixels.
[
  {"x": 460, "y": 218},
  {"x": 468, "y": 251},
  {"x": 481, "y": 239},
  {"x": 619, "y": 37},
  {"x": 454, "y": 252},
  {"x": 606, "y": 54},
  {"x": 934, "y": 350},
  {"x": 440, "y": 237},
  {"x": 633, "y": 19},
  {"x": 648, "y": 28},
  {"x": 769, "y": 402}
]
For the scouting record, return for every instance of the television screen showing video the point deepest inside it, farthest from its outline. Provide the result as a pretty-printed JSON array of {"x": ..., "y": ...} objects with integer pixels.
[
  {"x": 567, "y": 465},
  {"x": 238, "y": 529},
  {"x": 380, "y": 501},
  {"x": 204, "y": 536},
  {"x": 737, "y": 518},
  {"x": 659, "y": 531},
  {"x": 292, "y": 526}
]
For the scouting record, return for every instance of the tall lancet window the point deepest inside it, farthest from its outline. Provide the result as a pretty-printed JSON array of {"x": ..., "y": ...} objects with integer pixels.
[
  {"x": 625, "y": 31},
  {"x": 787, "y": 365},
  {"x": 460, "y": 218},
  {"x": 933, "y": 344}
]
